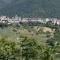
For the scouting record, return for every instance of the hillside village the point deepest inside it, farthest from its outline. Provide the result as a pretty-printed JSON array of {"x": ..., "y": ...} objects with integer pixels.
[{"x": 17, "y": 19}]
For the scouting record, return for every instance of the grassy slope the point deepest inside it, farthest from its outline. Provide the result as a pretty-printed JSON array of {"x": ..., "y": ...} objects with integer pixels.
[
  {"x": 12, "y": 36},
  {"x": 8, "y": 33}
]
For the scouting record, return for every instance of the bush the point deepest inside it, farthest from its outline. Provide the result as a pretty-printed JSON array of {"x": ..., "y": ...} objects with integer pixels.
[{"x": 8, "y": 50}]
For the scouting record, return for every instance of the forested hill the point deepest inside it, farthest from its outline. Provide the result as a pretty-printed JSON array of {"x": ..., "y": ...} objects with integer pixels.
[{"x": 32, "y": 8}]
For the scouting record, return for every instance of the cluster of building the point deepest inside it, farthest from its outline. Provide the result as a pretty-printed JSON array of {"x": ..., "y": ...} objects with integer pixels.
[
  {"x": 17, "y": 19},
  {"x": 5, "y": 19}
]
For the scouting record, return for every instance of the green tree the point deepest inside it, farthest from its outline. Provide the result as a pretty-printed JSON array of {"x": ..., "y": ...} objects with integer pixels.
[
  {"x": 49, "y": 54},
  {"x": 50, "y": 24},
  {"x": 57, "y": 35},
  {"x": 29, "y": 48},
  {"x": 8, "y": 50}
]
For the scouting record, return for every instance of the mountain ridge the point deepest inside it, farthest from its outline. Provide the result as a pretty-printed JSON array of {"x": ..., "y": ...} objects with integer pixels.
[{"x": 33, "y": 8}]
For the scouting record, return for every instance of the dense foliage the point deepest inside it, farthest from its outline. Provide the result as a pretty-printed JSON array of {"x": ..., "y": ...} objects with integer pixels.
[
  {"x": 27, "y": 49},
  {"x": 18, "y": 43},
  {"x": 8, "y": 50}
]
